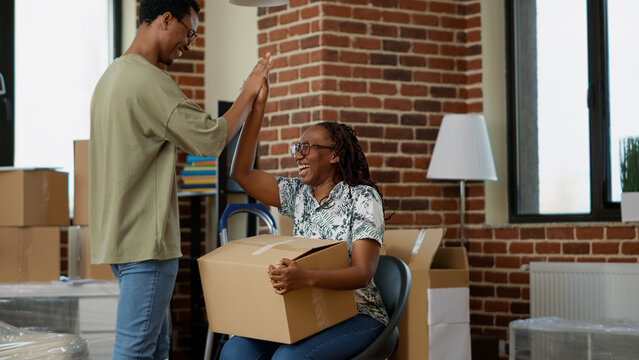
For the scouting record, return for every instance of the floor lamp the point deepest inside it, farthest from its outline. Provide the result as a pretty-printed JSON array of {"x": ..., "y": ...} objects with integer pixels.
[{"x": 462, "y": 152}]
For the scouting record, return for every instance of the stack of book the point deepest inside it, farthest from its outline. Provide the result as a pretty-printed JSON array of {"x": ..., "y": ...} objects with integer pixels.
[{"x": 200, "y": 174}]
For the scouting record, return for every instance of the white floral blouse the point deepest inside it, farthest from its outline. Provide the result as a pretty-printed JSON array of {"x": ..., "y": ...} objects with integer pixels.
[{"x": 348, "y": 214}]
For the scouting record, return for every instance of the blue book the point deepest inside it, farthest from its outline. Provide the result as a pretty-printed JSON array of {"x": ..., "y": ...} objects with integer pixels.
[
  {"x": 198, "y": 172},
  {"x": 193, "y": 158},
  {"x": 197, "y": 186}
]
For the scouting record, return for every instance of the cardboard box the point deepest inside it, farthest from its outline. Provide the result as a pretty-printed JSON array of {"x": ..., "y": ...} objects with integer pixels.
[
  {"x": 37, "y": 197},
  {"x": 81, "y": 182},
  {"x": 436, "y": 321},
  {"x": 240, "y": 299},
  {"x": 80, "y": 266},
  {"x": 29, "y": 254}
]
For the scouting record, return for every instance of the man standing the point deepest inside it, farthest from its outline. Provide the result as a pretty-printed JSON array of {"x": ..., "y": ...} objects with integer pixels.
[{"x": 139, "y": 117}]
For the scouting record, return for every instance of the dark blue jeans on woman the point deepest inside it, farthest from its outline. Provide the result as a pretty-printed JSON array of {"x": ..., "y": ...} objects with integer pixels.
[{"x": 341, "y": 341}]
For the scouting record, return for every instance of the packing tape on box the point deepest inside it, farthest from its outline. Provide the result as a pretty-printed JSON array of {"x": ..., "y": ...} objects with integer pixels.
[
  {"x": 418, "y": 242},
  {"x": 266, "y": 248},
  {"x": 319, "y": 305}
]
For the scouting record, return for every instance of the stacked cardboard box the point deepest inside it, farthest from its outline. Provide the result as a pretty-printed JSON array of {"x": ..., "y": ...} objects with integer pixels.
[
  {"x": 80, "y": 266},
  {"x": 34, "y": 205}
]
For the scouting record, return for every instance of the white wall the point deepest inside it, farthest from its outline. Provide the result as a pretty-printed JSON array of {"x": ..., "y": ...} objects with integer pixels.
[
  {"x": 231, "y": 50},
  {"x": 494, "y": 90}
]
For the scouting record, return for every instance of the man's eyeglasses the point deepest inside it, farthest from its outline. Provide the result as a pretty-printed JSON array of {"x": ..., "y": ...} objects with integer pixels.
[
  {"x": 305, "y": 148},
  {"x": 191, "y": 34}
]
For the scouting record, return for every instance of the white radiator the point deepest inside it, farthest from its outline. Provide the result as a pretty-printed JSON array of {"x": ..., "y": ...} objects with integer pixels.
[{"x": 584, "y": 291}]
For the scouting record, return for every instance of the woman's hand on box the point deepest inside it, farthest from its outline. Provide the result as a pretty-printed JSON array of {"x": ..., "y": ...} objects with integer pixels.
[{"x": 287, "y": 276}]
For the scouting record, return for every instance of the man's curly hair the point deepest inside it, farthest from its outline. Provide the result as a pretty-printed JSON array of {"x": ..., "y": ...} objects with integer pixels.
[{"x": 151, "y": 9}]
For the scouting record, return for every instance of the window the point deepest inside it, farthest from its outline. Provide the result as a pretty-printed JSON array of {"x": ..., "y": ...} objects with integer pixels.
[
  {"x": 61, "y": 48},
  {"x": 570, "y": 85}
]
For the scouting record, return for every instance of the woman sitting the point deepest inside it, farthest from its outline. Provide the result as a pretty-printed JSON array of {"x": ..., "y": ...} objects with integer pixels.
[{"x": 333, "y": 198}]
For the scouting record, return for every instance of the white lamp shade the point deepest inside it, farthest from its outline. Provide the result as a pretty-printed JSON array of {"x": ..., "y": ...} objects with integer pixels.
[
  {"x": 462, "y": 150},
  {"x": 259, "y": 3}
]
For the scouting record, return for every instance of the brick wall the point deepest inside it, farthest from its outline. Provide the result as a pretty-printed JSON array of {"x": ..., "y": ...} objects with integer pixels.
[{"x": 392, "y": 69}]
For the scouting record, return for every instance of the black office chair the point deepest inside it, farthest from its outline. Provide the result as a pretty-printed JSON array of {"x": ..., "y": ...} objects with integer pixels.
[{"x": 393, "y": 281}]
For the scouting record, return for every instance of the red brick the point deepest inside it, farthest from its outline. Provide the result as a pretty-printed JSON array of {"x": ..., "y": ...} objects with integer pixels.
[
  {"x": 442, "y": 7},
  {"x": 438, "y": 35},
  {"x": 299, "y": 88},
  {"x": 367, "y": 14},
  {"x": 533, "y": 233},
  {"x": 496, "y": 306},
  {"x": 441, "y": 63},
  {"x": 425, "y": 48},
  {"x": 589, "y": 233},
  {"x": 519, "y": 278},
  {"x": 427, "y": 219},
  {"x": 425, "y": 19},
  {"x": 508, "y": 292},
  {"x": 630, "y": 248},
  {"x": 506, "y": 233},
  {"x": 521, "y": 247},
  {"x": 336, "y": 70},
  {"x": 398, "y": 104},
  {"x": 300, "y": 29},
  {"x": 496, "y": 277},
  {"x": 576, "y": 248},
  {"x": 495, "y": 247},
  {"x": 395, "y": 17},
  {"x": 620, "y": 233},
  {"x": 367, "y": 102},
  {"x": 560, "y": 233},
  {"x": 368, "y": 44},
  {"x": 311, "y": 12},
  {"x": 310, "y": 71},
  {"x": 287, "y": 46},
  {"x": 353, "y": 57},
  {"x": 290, "y": 133},
  {"x": 335, "y": 100},
  {"x": 352, "y": 86},
  {"x": 508, "y": 262},
  {"x": 383, "y": 88},
  {"x": 367, "y": 73},
  {"x": 334, "y": 10},
  {"x": 414, "y": 90},
  {"x": 548, "y": 248},
  {"x": 605, "y": 248}
]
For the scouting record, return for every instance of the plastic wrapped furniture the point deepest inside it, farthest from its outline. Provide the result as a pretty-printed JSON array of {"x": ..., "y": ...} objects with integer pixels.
[
  {"x": 551, "y": 338},
  {"x": 16, "y": 343}
]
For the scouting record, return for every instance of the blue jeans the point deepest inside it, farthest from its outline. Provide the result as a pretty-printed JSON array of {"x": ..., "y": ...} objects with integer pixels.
[
  {"x": 142, "y": 326},
  {"x": 341, "y": 341}
]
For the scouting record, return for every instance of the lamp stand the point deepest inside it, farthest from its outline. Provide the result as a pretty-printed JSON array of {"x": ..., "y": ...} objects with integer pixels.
[{"x": 462, "y": 207}]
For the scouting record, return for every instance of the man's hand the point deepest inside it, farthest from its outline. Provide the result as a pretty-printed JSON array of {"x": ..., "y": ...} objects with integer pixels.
[{"x": 253, "y": 83}]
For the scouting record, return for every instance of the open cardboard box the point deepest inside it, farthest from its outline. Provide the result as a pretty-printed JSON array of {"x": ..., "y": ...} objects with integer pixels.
[
  {"x": 240, "y": 299},
  {"x": 435, "y": 323}
]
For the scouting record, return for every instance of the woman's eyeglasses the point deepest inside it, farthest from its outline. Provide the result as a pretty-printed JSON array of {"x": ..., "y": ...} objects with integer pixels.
[{"x": 305, "y": 148}]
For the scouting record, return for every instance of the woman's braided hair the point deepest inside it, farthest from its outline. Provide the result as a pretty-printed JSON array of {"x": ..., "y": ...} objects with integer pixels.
[{"x": 352, "y": 167}]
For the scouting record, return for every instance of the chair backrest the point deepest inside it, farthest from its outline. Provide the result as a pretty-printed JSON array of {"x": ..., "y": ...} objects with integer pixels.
[
  {"x": 257, "y": 209},
  {"x": 393, "y": 280}
]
